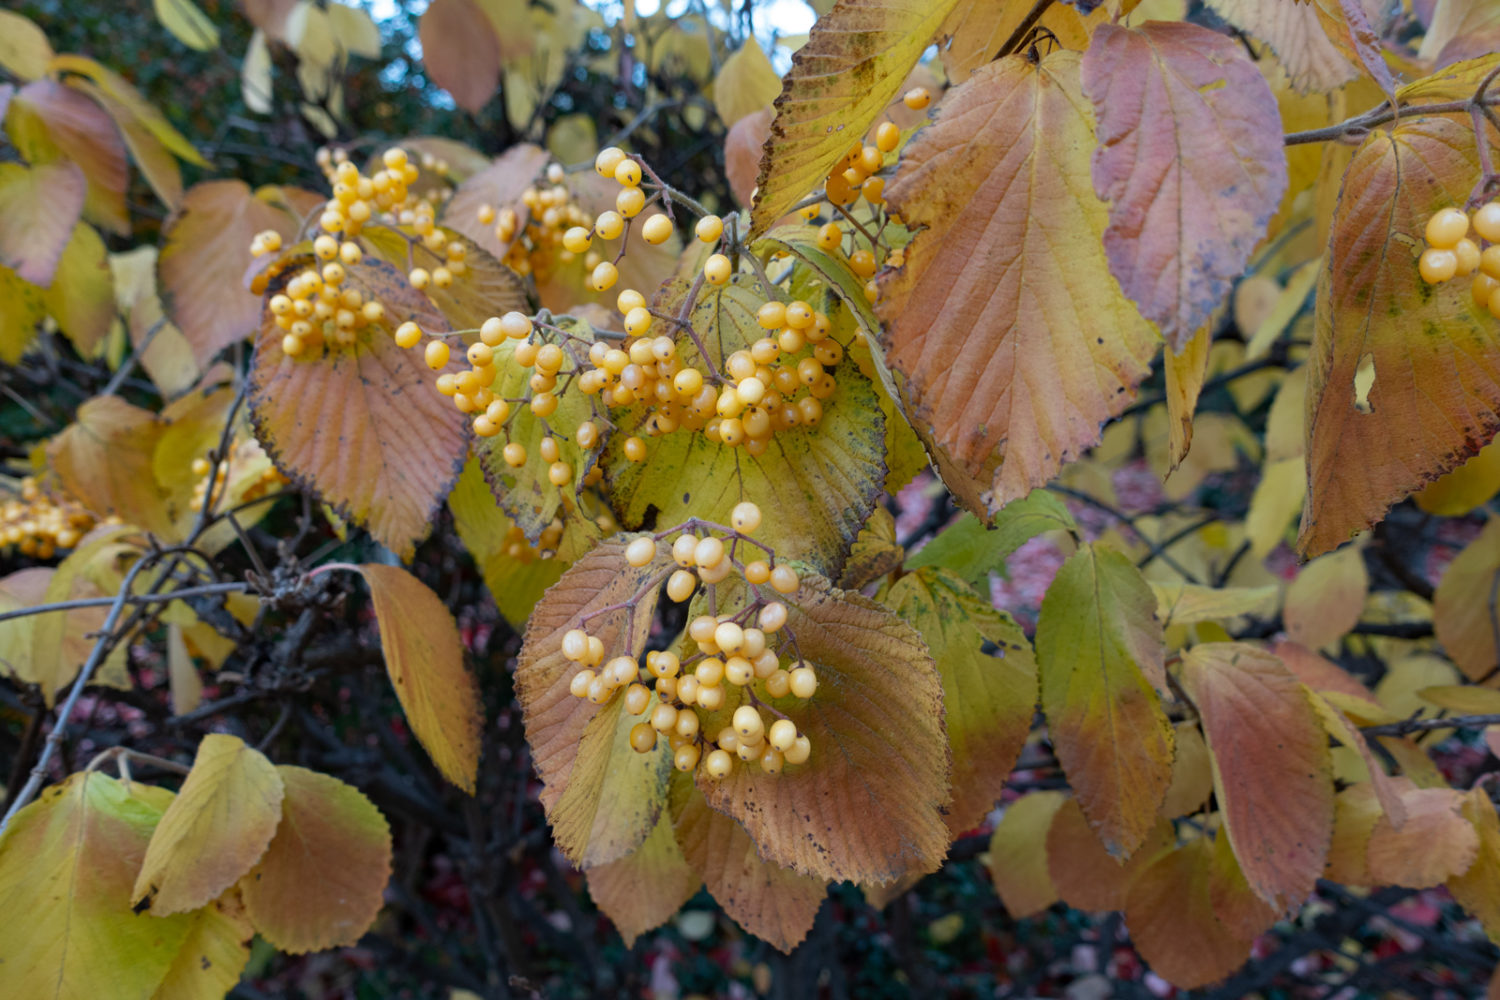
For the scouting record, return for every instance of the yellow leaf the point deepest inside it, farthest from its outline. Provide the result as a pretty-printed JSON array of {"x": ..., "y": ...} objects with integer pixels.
[
  {"x": 642, "y": 890},
  {"x": 182, "y": 673},
  {"x": 515, "y": 573},
  {"x": 1014, "y": 338},
  {"x": 24, "y": 49},
  {"x": 854, "y": 64},
  {"x": 573, "y": 138},
  {"x": 255, "y": 75},
  {"x": 320, "y": 883},
  {"x": 150, "y": 153},
  {"x": 745, "y": 84},
  {"x": 1464, "y": 699},
  {"x": 188, "y": 24},
  {"x": 1288, "y": 304},
  {"x": 21, "y": 311},
  {"x": 1192, "y": 772},
  {"x": 51, "y": 122},
  {"x": 104, "y": 459},
  {"x": 1184, "y": 377},
  {"x": 1463, "y": 607},
  {"x": 1276, "y": 501},
  {"x": 1325, "y": 600},
  {"x": 214, "y": 954},
  {"x": 66, "y": 864},
  {"x": 424, "y": 656},
  {"x": 1478, "y": 889},
  {"x": 355, "y": 30},
  {"x": 82, "y": 296},
  {"x": 1018, "y": 854},
  {"x": 168, "y": 357},
  {"x": 977, "y": 29},
  {"x": 1186, "y": 603},
  {"x": 1466, "y": 488},
  {"x": 120, "y": 90},
  {"x": 1099, "y": 646},
  {"x": 214, "y": 831}
]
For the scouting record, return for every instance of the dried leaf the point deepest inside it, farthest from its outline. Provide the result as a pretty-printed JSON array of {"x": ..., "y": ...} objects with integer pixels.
[
  {"x": 1294, "y": 30},
  {"x": 104, "y": 458},
  {"x": 214, "y": 831},
  {"x": 1271, "y": 766},
  {"x": 39, "y": 207},
  {"x": 1191, "y": 160},
  {"x": 1172, "y": 920},
  {"x": 1099, "y": 645},
  {"x": 1018, "y": 854},
  {"x": 1013, "y": 336},
  {"x": 1464, "y": 606},
  {"x": 321, "y": 881}
]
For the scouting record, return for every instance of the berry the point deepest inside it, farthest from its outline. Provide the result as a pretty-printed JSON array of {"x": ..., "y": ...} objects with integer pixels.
[
  {"x": 729, "y": 637},
  {"x": 782, "y": 734},
  {"x": 437, "y": 354},
  {"x": 687, "y": 725},
  {"x": 544, "y": 404},
  {"x": 640, "y": 552},
  {"x": 1482, "y": 288},
  {"x": 1467, "y": 252},
  {"x": 577, "y": 240},
  {"x": 709, "y": 671},
  {"x": 419, "y": 278},
  {"x": 1489, "y": 261},
  {"x": 608, "y": 159},
  {"x": 642, "y": 737},
  {"x": 681, "y": 584},
  {"x": 559, "y": 473},
  {"x": 917, "y": 98},
  {"x": 718, "y": 764},
  {"x": 663, "y": 718},
  {"x": 1446, "y": 227},
  {"x": 711, "y": 699},
  {"x": 830, "y": 237},
  {"x": 514, "y": 454},
  {"x": 778, "y": 684},
  {"x": 683, "y": 550},
  {"x": 771, "y": 316},
  {"x": 579, "y": 686},
  {"x": 630, "y": 201},
  {"x": 628, "y": 172},
  {"x": 738, "y": 671},
  {"x": 799, "y": 751},
  {"x": 629, "y": 299},
  {"x": 771, "y": 760},
  {"x": 709, "y": 553},
  {"x": 665, "y": 665},
  {"x": 516, "y": 326},
  {"x": 575, "y": 644},
  {"x": 638, "y": 320},
  {"x": 1437, "y": 265},
  {"x": 408, "y": 334},
  {"x": 772, "y": 617},
  {"x": 804, "y": 683},
  {"x": 716, "y": 269},
  {"x": 609, "y": 225},
  {"x": 1487, "y": 221},
  {"x": 709, "y": 228},
  {"x": 887, "y": 137},
  {"x": 604, "y": 276},
  {"x": 637, "y": 697},
  {"x": 745, "y": 517},
  {"x": 784, "y": 581},
  {"x": 635, "y": 449},
  {"x": 748, "y": 724},
  {"x": 757, "y": 572},
  {"x": 686, "y": 757}
]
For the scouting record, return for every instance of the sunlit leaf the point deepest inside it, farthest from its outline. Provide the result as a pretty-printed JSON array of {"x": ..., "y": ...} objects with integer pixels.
[
  {"x": 1015, "y": 339},
  {"x": 214, "y": 831},
  {"x": 1099, "y": 646},
  {"x": 746, "y": 83},
  {"x": 214, "y": 954},
  {"x": 321, "y": 881},
  {"x": 1271, "y": 766},
  {"x": 977, "y": 29},
  {"x": 460, "y": 51}
]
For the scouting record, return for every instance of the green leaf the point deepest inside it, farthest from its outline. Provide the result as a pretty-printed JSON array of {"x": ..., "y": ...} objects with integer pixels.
[
  {"x": 515, "y": 572},
  {"x": 1099, "y": 645},
  {"x": 188, "y": 24},
  {"x": 973, "y": 551}
]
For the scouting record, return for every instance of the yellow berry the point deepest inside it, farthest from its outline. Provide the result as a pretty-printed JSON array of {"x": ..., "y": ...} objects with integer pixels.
[
  {"x": 642, "y": 737},
  {"x": 514, "y": 454},
  {"x": 577, "y": 240},
  {"x": 1487, "y": 221},
  {"x": 657, "y": 230},
  {"x": 1482, "y": 288},
  {"x": 681, "y": 584},
  {"x": 637, "y": 321},
  {"x": 779, "y": 684},
  {"x": 627, "y": 172},
  {"x": 544, "y": 404},
  {"x": 579, "y": 686},
  {"x": 748, "y": 724},
  {"x": 830, "y": 237},
  {"x": 1489, "y": 261},
  {"x": 1467, "y": 252},
  {"x": 718, "y": 764},
  {"x": 784, "y": 580},
  {"x": 575, "y": 644},
  {"x": 630, "y": 201},
  {"x": 771, "y": 760},
  {"x": 804, "y": 683},
  {"x": 709, "y": 228},
  {"x": 609, "y": 225},
  {"x": 709, "y": 671},
  {"x": 408, "y": 334},
  {"x": 799, "y": 751},
  {"x": 771, "y": 316},
  {"x": 782, "y": 734},
  {"x": 635, "y": 449},
  {"x": 1446, "y": 227},
  {"x": 437, "y": 354},
  {"x": 292, "y": 345},
  {"x": 773, "y": 615},
  {"x": 1437, "y": 265},
  {"x": 709, "y": 553},
  {"x": 716, "y": 269},
  {"x": 686, "y": 757},
  {"x": 917, "y": 98},
  {"x": 887, "y": 137},
  {"x": 559, "y": 473},
  {"x": 683, "y": 550},
  {"x": 604, "y": 276},
  {"x": 757, "y": 572},
  {"x": 745, "y": 517},
  {"x": 640, "y": 551},
  {"x": 484, "y": 426}
]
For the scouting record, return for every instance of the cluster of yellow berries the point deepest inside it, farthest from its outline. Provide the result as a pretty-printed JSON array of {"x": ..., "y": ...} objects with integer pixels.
[
  {"x": 730, "y": 649},
  {"x": 518, "y": 548},
  {"x": 320, "y": 307},
  {"x": 38, "y": 523},
  {"x": 537, "y": 243},
  {"x": 213, "y": 477},
  {"x": 1451, "y": 253},
  {"x": 358, "y": 199}
]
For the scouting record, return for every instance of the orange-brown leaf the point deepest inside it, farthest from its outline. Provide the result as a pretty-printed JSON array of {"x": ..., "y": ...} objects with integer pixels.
[
  {"x": 1478, "y": 889},
  {"x": 425, "y": 659},
  {"x": 1295, "y": 31},
  {"x": 322, "y": 879},
  {"x": 363, "y": 427},
  {"x": 1014, "y": 337},
  {"x": 1085, "y": 875},
  {"x": 500, "y": 186},
  {"x": 1235, "y": 903},
  {"x": 1433, "y": 355},
  {"x": 38, "y": 208},
  {"x": 460, "y": 51},
  {"x": 104, "y": 459},
  {"x": 642, "y": 890},
  {"x": 49, "y": 121},
  {"x": 1272, "y": 772},
  {"x": 1191, "y": 161},
  {"x": 1434, "y": 844},
  {"x": 1171, "y": 918}
]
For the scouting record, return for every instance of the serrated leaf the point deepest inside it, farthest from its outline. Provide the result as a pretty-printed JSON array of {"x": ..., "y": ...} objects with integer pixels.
[
  {"x": 988, "y": 700},
  {"x": 205, "y": 251},
  {"x": 1191, "y": 160},
  {"x": 48, "y": 122},
  {"x": 1435, "y": 843},
  {"x": 1235, "y": 904},
  {"x": 1172, "y": 920},
  {"x": 424, "y": 656},
  {"x": 602, "y": 798},
  {"x": 214, "y": 831},
  {"x": 976, "y": 30},
  {"x": 214, "y": 954},
  {"x": 866, "y": 658},
  {"x": 363, "y": 426},
  {"x": 1187, "y": 603},
  {"x": 1462, "y": 608},
  {"x": 1018, "y": 854},
  {"x": 152, "y": 156},
  {"x": 1466, "y": 488},
  {"x": 974, "y": 550},
  {"x": 1014, "y": 338},
  {"x": 817, "y": 486},
  {"x": 486, "y": 288},
  {"x": 1295, "y": 31},
  {"x": 67, "y": 861},
  {"x": 1271, "y": 766},
  {"x": 39, "y": 207},
  {"x": 774, "y": 903},
  {"x": 321, "y": 881},
  {"x": 104, "y": 458},
  {"x": 1099, "y": 646},
  {"x": 460, "y": 51},
  {"x": 853, "y": 65},
  {"x": 642, "y": 890},
  {"x": 516, "y": 582},
  {"x": 82, "y": 296},
  {"x": 1369, "y": 445},
  {"x": 24, "y": 49}
]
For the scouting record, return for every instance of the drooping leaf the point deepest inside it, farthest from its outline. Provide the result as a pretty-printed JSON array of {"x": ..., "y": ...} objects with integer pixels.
[
  {"x": 1464, "y": 699},
  {"x": 1184, "y": 372},
  {"x": 516, "y": 580},
  {"x": 67, "y": 861},
  {"x": 1466, "y": 488},
  {"x": 855, "y": 63},
  {"x": 1187, "y": 603},
  {"x": 1325, "y": 600},
  {"x": 988, "y": 700},
  {"x": 424, "y": 656},
  {"x": 816, "y": 485},
  {"x": 188, "y": 24},
  {"x": 321, "y": 881},
  {"x": 167, "y": 357},
  {"x": 1386, "y": 416},
  {"x": 214, "y": 954},
  {"x": 205, "y": 251},
  {"x": 602, "y": 798},
  {"x": 1172, "y": 921},
  {"x": 1014, "y": 338},
  {"x": 104, "y": 459},
  {"x": 24, "y": 49},
  {"x": 1463, "y": 612},
  {"x": 1191, "y": 161},
  {"x": 1340, "y": 727},
  {"x": 1435, "y": 843},
  {"x": 642, "y": 890},
  {"x": 974, "y": 550},
  {"x": 866, "y": 658},
  {"x": 1087, "y": 876},
  {"x": 151, "y": 155},
  {"x": 774, "y": 903},
  {"x": 1018, "y": 854},
  {"x": 1355, "y": 812},
  {"x": 214, "y": 831},
  {"x": 48, "y": 122},
  {"x": 1099, "y": 646},
  {"x": 363, "y": 427},
  {"x": 460, "y": 51},
  {"x": 1478, "y": 889},
  {"x": 118, "y": 89},
  {"x": 746, "y": 83},
  {"x": 1271, "y": 766},
  {"x": 39, "y": 207}
]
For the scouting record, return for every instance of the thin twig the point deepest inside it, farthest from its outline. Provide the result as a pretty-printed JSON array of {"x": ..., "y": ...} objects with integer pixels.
[{"x": 207, "y": 590}]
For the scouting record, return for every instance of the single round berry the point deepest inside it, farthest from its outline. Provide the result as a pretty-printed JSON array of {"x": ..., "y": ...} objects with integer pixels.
[
  {"x": 681, "y": 584},
  {"x": 577, "y": 240},
  {"x": 579, "y": 686},
  {"x": 635, "y": 449},
  {"x": 514, "y": 454},
  {"x": 408, "y": 334},
  {"x": 887, "y": 137},
  {"x": 630, "y": 201},
  {"x": 804, "y": 683},
  {"x": 640, "y": 552},
  {"x": 917, "y": 98},
  {"x": 709, "y": 228},
  {"x": 559, "y": 473},
  {"x": 799, "y": 751},
  {"x": 637, "y": 697},
  {"x": 716, "y": 269},
  {"x": 575, "y": 644},
  {"x": 1467, "y": 252},
  {"x": 637, "y": 321},
  {"x": 748, "y": 724},
  {"x": 609, "y": 225},
  {"x": 1487, "y": 221},
  {"x": 782, "y": 734},
  {"x": 718, "y": 764},
  {"x": 772, "y": 617},
  {"x": 1437, "y": 265},
  {"x": 1446, "y": 227},
  {"x": 709, "y": 671},
  {"x": 729, "y": 637},
  {"x": 758, "y": 572},
  {"x": 710, "y": 699},
  {"x": 771, "y": 760},
  {"x": 745, "y": 517},
  {"x": 771, "y": 316},
  {"x": 1489, "y": 261},
  {"x": 687, "y": 725},
  {"x": 515, "y": 325},
  {"x": 1482, "y": 288},
  {"x": 628, "y": 172},
  {"x": 657, "y": 230},
  {"x": 778, "y": 684},
  {"x": 686, "y": 757},
  {"x": 709, "y": 553},
  {"x": 738, "y": 671},
  {"x": 604, "y": 276},
  {"x": 663, "y": 718},
  {"x": 436, "y": 354},
  {"x": 642, "y": 737}
]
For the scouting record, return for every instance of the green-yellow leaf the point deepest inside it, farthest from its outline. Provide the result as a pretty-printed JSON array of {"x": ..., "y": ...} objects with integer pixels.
[
  {"x": 424, "y": 656},
  {"x": 973, "y": 550},
  {"x": 67, "y": 862},
  {"x": 209, "y": 963},
  {"x": 1099, "y": 646},
  {"x": 321, "y": 881},
  {"x": 1465, "y": 699},
  {"x": 214, "y": 831},
  {"x": 745, "y": 84},
  {"x": 24, "y": 49},
  {"x": 82, "y": 296},
  {"x": 188, "y": 24},
  {"x": 1186, "y": 603},
  {"x": 516, "y": 574},
  {"x": 1018, "y": 854},
  {"x": 854, "y": 64}
]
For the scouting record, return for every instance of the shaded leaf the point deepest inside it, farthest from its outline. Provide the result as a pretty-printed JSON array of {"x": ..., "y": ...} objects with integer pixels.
[
  {"x": 49, "y": 121},
  {"x": 1434, "y": 844},
  {"x": 1191, "y": 160},
  {"x": 866, "y": 659},
  {"x": 1369, "y": 445},
  {"x": 1470, "y": 486},
  {"x": 82, "y": 297},
  {"x": 1192, "y": 772},
  {"x": 214, "y": 831},
  {"x": 1294, "y": 30},
  {"x": 1355, "y": 812},
  {"x": 854, "y": 64},
  {"x": 875, "y": 553},
  {"x": 104, "y": 458},
  {"x": 363, "y": 427},
  {"x": 1271, "y": 766},
  {"x": 215, "y": 952},
  {"x": 1187, "y": 603},
  {"x": 974, "y": 550},
  {"x": 424, "y": 656},
  {"x": 1325, "y": 600},
  {"x": 24, "y": 49},
  {"x": 516, "y": 581},
  {"x": 1464, "y": 605},
  {"x": 1244, "y": 913},
  {"x": 1086, "y": 876},
  {"x": 152, "y": 156},
  {"x": 1018, "y": 854},
  {"x": 188, "y": 24},
  {"x": 320, "y": 883},
  {"x": 1478, "y": 889},
  {"x": 1099, "y": 646},
  {"x": 996, "y": 320},
  {"x": 642, "y": 890},
  {"x": 118, "y": 89},
  {"x": 1184, "y": 372},
  {"x": 67, "y": 861},
  {"x": 1172, "y": 920},
  {"x": 39, "y": 207}
]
